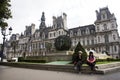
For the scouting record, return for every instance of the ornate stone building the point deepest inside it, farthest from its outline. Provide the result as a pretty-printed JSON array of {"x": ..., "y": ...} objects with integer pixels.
[{"x": 102, "y": 36}]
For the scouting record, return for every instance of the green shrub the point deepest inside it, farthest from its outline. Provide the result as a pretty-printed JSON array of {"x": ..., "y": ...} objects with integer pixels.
[
  {"x": 20, "y": 59},
  {"x": 76, "y": 51}
]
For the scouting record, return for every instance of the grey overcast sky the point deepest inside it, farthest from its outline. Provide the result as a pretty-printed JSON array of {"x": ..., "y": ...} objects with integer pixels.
[{"x": 79, "y": 12}]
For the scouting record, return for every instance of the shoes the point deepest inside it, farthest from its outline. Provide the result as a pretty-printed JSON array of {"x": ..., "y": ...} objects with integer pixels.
[
  {"x": 75, "y": 68},
  {"x": 79, "y": 72},
  {"x": 96, "y": 67}
]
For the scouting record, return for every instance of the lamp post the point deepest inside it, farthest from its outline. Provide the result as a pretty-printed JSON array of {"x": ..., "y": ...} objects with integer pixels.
[{"x": 3, "y": 31}]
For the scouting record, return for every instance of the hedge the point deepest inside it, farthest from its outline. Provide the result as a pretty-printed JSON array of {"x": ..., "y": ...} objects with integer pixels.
[
  {"x": 108, "y": 59},
  {"x": 21, "y": 59}
]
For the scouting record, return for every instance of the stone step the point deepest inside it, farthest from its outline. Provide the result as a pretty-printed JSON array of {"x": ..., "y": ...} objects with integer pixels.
[
  {"x": 109, "y": 70},
  {"x": 102, "y": 69},
  {"x": 108, "y": 65},
  {"x": 64, "y": 68}
]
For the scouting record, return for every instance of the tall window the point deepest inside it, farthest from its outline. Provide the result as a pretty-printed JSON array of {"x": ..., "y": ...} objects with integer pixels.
[
  {"x": 33, "y": 46},
  {"x": 92, "y": 41},
  {"x": 43, "y": 36},
  {"x": 98, "y": 39},
  {"x": 107, "y": 48},
  {"x": 39, "y": 45},
  {"x": 112, "y": 25},
  {"x": 59, "y": 32},
  {"x": 98, "y": 28},
  {"x": 83, "y": 42},
  {"x": 106, "y": 38},
  {"x": 36, "y": 46},
  {"x": 99, "y": 49},
  {"x": 115, "y": 48},
  {"x": 114, "y": 37},
  {"x": 88, "y": 42},
  {"x": 50, "y": 34},
  {"x": 54, "y": 34},
  {"x": 105, "y": 26}
]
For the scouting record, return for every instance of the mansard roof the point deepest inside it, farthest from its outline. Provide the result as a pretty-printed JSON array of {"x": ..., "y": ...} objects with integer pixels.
[
  {"x": 106, "y": 10},
  {"x": 45, "y": 31},
  {"x": 91, "y": 27}
]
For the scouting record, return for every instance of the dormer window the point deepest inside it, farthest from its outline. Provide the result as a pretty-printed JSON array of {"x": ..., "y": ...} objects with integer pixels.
[
  {"x": 79, "y": 32},
  {"x": 87, "y": 30},
  {"x": 92, "y": 31},
  {"x": 103, "y": 16},
  {"x": 75, "y": 33}
]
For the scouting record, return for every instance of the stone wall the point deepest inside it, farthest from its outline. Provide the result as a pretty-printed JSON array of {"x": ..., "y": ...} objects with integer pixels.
[{"x": 52, "y": 58}]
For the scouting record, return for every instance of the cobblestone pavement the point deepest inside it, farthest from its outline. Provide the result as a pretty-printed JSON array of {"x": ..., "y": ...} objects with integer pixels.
[{"x": 12, "y": 73}]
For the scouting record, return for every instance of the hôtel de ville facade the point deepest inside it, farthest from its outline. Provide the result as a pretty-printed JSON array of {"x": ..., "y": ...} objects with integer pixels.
[{"x": 101, "y": 36}]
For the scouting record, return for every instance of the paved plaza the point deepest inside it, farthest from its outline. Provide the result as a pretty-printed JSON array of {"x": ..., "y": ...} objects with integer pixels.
[{"x": 12, "y": 73}]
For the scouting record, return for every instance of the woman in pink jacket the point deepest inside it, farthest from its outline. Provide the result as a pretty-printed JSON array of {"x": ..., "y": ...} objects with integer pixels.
[{"x": 91, "y": 61}]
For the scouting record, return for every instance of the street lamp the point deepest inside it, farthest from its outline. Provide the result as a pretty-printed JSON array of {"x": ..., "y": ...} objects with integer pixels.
[{"x": 3, "y": 31}]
